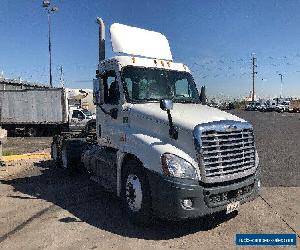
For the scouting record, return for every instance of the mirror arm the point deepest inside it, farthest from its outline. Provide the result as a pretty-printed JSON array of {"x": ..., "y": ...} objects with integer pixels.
[{"x": 172, "y": 131}]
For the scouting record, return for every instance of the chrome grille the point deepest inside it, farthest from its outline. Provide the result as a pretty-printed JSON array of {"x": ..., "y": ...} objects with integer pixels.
[{"x": 226, "y": 150}]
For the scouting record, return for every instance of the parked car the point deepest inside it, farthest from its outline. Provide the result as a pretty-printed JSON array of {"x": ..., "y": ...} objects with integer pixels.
[
  {"x": 252, "y": 106},
  {"x": 282, "y": 107}
]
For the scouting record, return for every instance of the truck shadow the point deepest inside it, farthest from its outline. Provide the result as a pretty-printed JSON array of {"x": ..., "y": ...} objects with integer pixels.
[{"x": 90, "y": 203}]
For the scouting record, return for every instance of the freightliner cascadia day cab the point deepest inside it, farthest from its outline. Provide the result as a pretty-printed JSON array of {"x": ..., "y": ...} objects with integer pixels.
[{"x": 157, "y": 147}]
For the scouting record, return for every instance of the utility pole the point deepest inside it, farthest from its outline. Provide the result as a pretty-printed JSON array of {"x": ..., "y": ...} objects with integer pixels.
[
  {"x": 281, "y": 85},
  {"x": 61, "y": 77},
  {"x": 253, "y": 76}
]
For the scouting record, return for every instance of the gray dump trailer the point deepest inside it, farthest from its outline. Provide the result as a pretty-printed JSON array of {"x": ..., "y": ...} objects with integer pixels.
[{"x": 33, "y": 111}]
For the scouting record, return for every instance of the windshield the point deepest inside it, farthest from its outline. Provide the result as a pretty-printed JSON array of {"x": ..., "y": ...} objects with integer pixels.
[
  {"x": 86, "y": 112},
  {"x": 149, "y": 84}
]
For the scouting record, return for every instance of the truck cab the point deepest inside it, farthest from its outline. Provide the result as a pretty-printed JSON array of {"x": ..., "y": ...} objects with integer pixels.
[
  {"x": 79, "y": 117},
  {"x": 159, "y": 148}
]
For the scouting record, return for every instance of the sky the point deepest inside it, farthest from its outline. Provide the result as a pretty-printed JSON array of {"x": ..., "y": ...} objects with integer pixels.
[{"x": 215, "y": 39}]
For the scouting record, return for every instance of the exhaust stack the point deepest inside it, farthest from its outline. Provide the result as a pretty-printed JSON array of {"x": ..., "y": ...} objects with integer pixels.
[{"x": 101, "y": 39}]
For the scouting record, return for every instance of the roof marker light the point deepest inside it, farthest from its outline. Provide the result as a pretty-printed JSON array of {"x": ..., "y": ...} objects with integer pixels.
[
  {"x": 133, "y": 60},
  {"x": 162, "y": 63},
  {"x": 168, "y": 63}
]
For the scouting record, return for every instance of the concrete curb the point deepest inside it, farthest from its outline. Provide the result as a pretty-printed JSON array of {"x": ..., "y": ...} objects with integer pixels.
[{"x": 30, "y": 156}]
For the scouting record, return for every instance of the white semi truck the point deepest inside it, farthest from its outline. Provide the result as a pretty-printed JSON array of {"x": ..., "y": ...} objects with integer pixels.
[{"x": 157, "y": 146}]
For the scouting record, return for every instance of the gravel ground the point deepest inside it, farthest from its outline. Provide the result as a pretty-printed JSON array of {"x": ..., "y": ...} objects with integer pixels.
[
  {"x": 21, "y": 145},
  {"x": 42, "y": 207}
]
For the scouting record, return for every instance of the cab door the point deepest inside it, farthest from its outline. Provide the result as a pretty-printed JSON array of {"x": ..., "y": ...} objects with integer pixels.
[
  {"x": 111, "y": 114},
  {"x": 110, "y": 128}
]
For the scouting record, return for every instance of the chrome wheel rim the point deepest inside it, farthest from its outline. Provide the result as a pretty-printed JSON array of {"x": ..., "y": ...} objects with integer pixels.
[{"x": 134, "y": 193}]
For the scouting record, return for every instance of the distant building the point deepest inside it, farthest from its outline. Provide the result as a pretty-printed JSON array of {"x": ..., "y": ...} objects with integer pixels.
[{"x": 82, "y": 98}]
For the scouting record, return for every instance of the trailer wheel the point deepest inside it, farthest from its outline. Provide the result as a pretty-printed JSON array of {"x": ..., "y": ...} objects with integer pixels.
[
  {"x": 71, "y": 155},
  {"x": 136, "y": 193},
  {"x": 31, "y": 132}
]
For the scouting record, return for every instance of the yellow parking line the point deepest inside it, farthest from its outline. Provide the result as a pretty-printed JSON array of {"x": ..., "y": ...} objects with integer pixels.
[{"x": 42, "y": 156}]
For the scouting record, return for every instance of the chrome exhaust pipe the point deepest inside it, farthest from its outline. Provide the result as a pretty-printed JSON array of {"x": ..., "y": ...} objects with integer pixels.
[{"x": 101, "y": 39}]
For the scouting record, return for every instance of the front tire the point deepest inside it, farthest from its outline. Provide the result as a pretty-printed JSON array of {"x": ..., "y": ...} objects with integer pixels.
[{"x": 136, "y": 193}]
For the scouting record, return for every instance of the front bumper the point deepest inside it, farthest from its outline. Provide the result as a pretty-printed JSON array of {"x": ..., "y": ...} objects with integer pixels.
[{"x": 168, "y": 193}]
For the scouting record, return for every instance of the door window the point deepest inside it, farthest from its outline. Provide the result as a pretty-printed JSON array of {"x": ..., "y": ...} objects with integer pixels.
[
  {"x": 182, "y": 88},
  {"x": 111, "y": 88},
  {"x": 75, "y": 114}
]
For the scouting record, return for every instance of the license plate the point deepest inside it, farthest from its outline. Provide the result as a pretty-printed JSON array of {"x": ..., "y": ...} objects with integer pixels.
[{"x": 232, "y": 207}]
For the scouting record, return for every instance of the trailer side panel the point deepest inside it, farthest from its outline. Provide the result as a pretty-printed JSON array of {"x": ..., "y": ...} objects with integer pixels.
[{"x": 33, "y": 106}]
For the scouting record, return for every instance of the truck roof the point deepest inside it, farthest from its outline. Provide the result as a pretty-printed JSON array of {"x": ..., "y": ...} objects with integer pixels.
[{"x": 124, "y": 61}]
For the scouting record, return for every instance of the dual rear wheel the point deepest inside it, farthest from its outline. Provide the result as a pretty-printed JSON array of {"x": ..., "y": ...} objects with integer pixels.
[{"x": 67, "y": 153}]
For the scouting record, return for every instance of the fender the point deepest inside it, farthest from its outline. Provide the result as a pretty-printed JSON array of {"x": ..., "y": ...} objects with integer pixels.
[{"x": 148, "y": 149}]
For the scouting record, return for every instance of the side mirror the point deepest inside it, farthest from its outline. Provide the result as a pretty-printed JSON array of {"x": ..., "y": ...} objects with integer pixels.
[
  {"x": 166, "y": 104},
  {"x": 98, "y": 91},
  {"x": 203, "y": 95}
]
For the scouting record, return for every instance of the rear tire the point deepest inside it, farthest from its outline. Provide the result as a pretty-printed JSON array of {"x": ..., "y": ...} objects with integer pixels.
[
  {"x": 71, "y": 155},
  {"x": 56, "y": 152},
  {"x": 135, "y": 193}
]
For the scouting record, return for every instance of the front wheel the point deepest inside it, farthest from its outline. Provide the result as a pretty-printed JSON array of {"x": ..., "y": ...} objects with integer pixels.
[{"x": 136, "y": 193}]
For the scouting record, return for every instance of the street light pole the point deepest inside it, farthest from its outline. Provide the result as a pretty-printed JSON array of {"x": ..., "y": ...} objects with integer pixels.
[
  {"x": 281, "y": 85},
  {"x": 50, "y": 10},
  {"x": 49, "y": 45}
]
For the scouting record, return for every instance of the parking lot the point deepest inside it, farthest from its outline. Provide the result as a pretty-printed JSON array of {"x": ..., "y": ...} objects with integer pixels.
[{"x": 42, "y": 207}]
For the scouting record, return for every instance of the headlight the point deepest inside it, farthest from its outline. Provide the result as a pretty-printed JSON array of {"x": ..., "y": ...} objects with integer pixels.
[{"x": 175, "y": 166}]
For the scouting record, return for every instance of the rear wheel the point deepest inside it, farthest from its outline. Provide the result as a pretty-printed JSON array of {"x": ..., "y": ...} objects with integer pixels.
[
  {"x": 71, "y": 154},
  {"x": 136, "y": 192},
  {"x": 55, "y": 153}
]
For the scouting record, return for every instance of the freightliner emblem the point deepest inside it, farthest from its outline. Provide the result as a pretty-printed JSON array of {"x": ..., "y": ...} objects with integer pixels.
[{"x": 230, "y": 128}]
